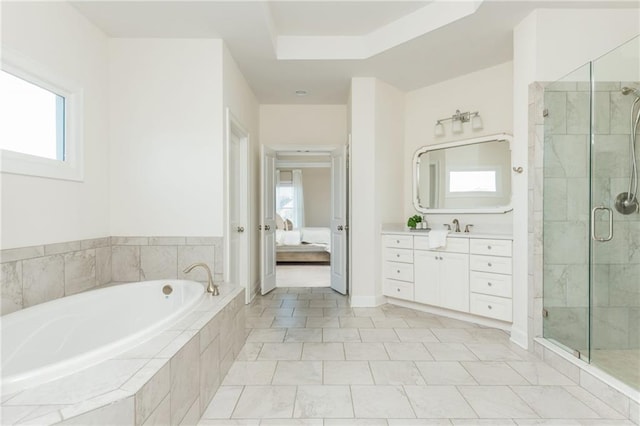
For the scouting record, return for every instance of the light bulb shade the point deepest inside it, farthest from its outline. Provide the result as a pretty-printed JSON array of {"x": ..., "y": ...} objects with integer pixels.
[
  {"x": 476, "y": 122},
  {"x": 456, "y": 126},
  {"x": 439, "y": 129}
]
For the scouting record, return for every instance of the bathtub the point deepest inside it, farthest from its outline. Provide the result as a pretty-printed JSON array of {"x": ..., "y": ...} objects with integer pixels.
[{"x": 57, "y": 338}]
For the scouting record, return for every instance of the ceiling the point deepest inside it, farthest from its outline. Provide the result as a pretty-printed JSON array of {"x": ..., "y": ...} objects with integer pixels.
[{"x": 318, "y": 46}]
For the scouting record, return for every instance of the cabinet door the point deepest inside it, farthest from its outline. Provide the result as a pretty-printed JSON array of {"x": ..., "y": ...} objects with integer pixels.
[
  {"x": 426, "y": 266},
  {"x": 454, "y": 283}
]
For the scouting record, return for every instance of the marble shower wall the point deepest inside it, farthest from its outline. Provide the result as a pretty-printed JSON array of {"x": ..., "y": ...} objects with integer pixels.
[
  {"x": 559, "y": 170},
  {"x": 33, "y": 275}
]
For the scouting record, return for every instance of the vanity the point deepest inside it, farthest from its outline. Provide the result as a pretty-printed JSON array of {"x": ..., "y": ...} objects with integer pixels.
[{"x": 470, "y": 275}]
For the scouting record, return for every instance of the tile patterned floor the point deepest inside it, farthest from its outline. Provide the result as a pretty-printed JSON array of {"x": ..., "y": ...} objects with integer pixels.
[{"x": 311, "y": 360}]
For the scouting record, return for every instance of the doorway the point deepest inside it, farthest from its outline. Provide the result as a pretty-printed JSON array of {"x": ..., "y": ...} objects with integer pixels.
[{"x": 304, "y": 200}]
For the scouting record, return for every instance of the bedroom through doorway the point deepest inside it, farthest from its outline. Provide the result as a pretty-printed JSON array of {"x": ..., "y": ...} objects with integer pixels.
[{"x": 303, "y": 218}]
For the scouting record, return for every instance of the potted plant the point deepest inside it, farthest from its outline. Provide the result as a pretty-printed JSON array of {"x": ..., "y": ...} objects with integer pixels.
[{"x": 413, "y": 221}]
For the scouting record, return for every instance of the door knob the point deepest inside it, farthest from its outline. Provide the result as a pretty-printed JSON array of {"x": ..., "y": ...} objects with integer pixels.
[
  {"x": 267, "y": 227},
  {"x": 240, "y": 229}
]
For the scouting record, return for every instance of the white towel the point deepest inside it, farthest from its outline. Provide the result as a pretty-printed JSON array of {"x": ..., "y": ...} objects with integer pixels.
[{"x": 438, "y": 238}]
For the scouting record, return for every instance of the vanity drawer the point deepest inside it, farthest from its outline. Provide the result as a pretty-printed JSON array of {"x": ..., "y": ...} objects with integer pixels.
[
  {"x": 398, "y": 271},
  {"x": 493, "y": 284},
  {"x": 499, "y": 265},
  {"x": 491, "y": 306},
  {"x": 454, "y": 245},
  {"x": 490, "y": 247},
  {"x": 398, "y": 241},
  {"x": 398, "y": 289},
  {"x": 398, "y": 255}
]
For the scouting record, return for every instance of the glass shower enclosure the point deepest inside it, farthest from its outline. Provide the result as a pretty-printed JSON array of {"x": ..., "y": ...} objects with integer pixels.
[{"x": 591, "y": 224}]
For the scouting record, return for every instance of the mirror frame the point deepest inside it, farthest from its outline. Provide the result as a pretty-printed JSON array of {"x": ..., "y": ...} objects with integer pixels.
[{"x": 427, "y": 148}]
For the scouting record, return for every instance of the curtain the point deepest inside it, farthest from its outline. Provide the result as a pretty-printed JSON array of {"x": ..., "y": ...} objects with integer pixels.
[{"x": 298, "y": 196}]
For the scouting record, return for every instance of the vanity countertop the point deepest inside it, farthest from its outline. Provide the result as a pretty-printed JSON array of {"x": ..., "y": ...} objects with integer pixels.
[{"x": 398, "y": 229}]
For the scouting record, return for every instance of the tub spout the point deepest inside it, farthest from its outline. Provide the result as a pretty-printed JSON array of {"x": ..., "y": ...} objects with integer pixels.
[{"x": 211, "y": 287}]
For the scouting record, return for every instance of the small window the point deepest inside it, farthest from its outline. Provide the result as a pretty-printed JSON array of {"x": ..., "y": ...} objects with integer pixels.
[
  {"x": 41, "y": 116},
  {"x": 32, "y": 119},
  {"x": 472, "y": 181}
]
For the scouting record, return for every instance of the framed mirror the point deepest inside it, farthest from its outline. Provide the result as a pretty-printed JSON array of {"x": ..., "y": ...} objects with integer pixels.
[{"x": 468, "y": 176}]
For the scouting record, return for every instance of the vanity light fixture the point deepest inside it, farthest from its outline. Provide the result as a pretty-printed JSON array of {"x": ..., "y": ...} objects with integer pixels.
[{"x": 457, "y": 120}]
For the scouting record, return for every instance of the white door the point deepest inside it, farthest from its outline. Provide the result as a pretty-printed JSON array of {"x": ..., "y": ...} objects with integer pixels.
[
  {"x": 268, "y": 221},
  {"x": 237, "y": 233},
  {"x": 339, "y": 226},
  {"x": 454, "y": 281}
]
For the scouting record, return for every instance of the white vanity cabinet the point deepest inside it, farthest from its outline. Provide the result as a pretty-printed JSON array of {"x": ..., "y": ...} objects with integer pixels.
[
  {"x": 397, "y": 269},
  {"x": 441, "y": 276},
  {"x": 490, "y": 282},
  {"x": 469, "y": 274}
]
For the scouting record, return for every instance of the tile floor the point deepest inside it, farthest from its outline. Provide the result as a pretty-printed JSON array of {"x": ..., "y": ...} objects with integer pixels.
[
  {"x": 303, "y": 275},
  {"x": 311, "y": 360}
]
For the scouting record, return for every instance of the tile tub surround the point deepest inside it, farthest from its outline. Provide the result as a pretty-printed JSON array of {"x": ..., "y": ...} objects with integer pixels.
[
  {"x": 598, "y": 384},
  {"x": 169, "y": 379},
  {"x": 32, "y": 275},
  {"x": 148, "y": 258}
]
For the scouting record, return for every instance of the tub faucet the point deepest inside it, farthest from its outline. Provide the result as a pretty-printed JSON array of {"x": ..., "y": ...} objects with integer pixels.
[
  {"x": 457, "y": 224},
  {"x": 211, "y": 287}
]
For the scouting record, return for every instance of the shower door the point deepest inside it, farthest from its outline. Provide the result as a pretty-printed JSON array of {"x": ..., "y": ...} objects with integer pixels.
[
  {"x": 615, "y": 252},
  {"x": 591, "y": 260}
]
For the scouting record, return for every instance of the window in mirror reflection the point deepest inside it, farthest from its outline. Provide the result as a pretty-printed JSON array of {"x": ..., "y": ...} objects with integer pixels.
[{"x": 472, "y": 181}]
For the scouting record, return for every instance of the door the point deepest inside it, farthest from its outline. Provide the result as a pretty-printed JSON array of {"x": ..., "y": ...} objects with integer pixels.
[
  {"x": 426, "y": 277},
  {"x": 237, "y": 233},
  {"x": 338, "y": 223},
  {"x": 454, "y": 281},
  {"x": 268, "y": 221}
]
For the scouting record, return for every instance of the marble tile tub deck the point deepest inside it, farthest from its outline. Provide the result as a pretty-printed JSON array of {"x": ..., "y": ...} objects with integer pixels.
[
  {"x": 310, "y": 359},
  {"x": 168, "y": 379}
]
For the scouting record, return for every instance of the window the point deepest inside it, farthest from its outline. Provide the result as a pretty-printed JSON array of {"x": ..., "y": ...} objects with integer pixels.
[
  {"x": 290, "y": 196},
  {"x": 32, "y": 119},
  {"x": 40, "y": 121},
  {"x": 472, "y": 181}
]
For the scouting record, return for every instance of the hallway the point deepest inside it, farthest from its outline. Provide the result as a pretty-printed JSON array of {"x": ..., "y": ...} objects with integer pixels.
[{"x": 310, "y": 359}]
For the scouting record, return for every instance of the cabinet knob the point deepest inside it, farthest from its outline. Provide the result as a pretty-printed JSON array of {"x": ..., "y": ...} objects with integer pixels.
[
  {"x": 488, "y": 247},
  {"x": 489, "y": 264},
  {"x": 490, "y": 307},
  {"x": 436, "y": 257},
  {"x": 397, "y": 241},
  {"x": 398, "y": 290},
  {"x": 398, "y": 271},
  {"x": 397, "y": 255},
  {"x": 489, "y": 284},
  {"x": 440, "y": 257}
]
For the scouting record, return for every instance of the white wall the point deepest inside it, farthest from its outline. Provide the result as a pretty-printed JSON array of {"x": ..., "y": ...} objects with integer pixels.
[
  {"x": 242, "y": 103},
  {"x": 548, "y": 44},
  {"x": 39, "y": 210},
  {"x": 488, "y": 91},
  {"x": 166, "y": 130},
  {"x": 316, "y": 183},
  {"x": 303, "y": 124},
  {"x": 377, "y": 116}
]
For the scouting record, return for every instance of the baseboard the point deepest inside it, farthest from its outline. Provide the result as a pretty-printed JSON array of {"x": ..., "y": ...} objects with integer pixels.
[
  {"x": 367, "y": 301},
  {"x": 520, "y": 338}
]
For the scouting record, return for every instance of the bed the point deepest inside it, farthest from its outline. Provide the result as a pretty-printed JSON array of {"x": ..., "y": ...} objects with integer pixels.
[{"x": 309, "y": 245}]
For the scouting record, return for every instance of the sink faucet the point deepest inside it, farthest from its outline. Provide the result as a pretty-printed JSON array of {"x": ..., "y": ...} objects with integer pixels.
[
  {"x": 457, "y": 224},
  {"x": 211, "y": 287}
]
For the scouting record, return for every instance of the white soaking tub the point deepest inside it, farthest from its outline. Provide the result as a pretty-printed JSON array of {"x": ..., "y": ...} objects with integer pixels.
[{"x": 58, "y": 338}]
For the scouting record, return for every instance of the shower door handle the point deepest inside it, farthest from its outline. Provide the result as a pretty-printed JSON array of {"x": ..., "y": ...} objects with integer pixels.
[{"x": 593, "y": 224}]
